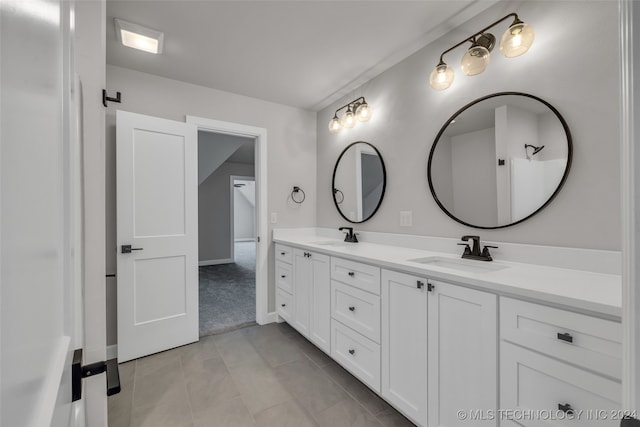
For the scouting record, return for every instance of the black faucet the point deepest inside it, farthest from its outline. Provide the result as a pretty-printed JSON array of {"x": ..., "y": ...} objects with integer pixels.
[
  {"x": 473, "y": 252},
  {"x": 350, "y": 236}
]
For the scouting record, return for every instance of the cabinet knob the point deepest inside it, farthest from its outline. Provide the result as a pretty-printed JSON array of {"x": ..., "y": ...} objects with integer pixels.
[
  {"x": 283, "y": 305},
  {"x": 283, "y": 276},
  {"x": 283, "y": 253},
  {"x": 352, "y": 351},
  {"x": 352, "y": 308},
  {"x": 430, "y": 287},
  {"x": 419, "y": 284},
  {"x": 351, "y": 273},
  {"x": 566, "y": 408},
  {"x": 565, "y": 336}
]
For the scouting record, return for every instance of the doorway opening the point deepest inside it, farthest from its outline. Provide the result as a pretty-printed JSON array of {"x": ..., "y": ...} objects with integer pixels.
[{"x": 226, "y": 232}]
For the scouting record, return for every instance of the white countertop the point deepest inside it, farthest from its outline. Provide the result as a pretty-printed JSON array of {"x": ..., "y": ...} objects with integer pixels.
[{"x": 583, "y": 291}]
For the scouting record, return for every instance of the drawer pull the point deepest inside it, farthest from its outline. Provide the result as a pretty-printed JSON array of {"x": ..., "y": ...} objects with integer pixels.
[
  {"x": 351, "y": 273},
  {"x": 352, "y": 308},
  {"x": 283, "y": 305},
  {"x": 283, "y": 253},
  {"x": 430, "y": 287},
  {"x": 419, "y": 284},
  {"x": 283, "y": 276},
  {"x": 352, "y": 351},
  {"x": 565, "y": 337},
  {"x": 566, "y": 408}
]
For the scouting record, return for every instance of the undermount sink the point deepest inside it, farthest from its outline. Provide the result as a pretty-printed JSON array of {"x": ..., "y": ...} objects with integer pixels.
[{"x": 469, "y": 266}]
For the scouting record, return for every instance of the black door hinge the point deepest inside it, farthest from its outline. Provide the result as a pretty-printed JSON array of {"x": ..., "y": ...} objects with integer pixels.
[{"x": 78, "y": 372}]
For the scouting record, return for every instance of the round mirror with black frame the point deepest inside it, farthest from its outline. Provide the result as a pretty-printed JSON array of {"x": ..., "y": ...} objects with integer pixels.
[
  {"x": 499, "y": 160},
  {"x": 359, "y": 181}
]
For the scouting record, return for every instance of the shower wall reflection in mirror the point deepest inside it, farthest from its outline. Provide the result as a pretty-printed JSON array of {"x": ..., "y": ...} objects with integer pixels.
[{"x": 499, "y": 160}]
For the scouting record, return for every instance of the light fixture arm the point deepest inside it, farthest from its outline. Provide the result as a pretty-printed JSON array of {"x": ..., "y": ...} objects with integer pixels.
[
  {"x": 472, "y": 38},
  {"x": 354, "y": 104}
]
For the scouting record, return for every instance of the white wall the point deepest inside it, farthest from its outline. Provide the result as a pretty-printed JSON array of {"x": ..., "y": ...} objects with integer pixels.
[
  {"x": 291, "y": 147},
  {"x": 408, "y": 115},
  {"x": 244, "y": 211},
  {"x": 214, "y": 211}
]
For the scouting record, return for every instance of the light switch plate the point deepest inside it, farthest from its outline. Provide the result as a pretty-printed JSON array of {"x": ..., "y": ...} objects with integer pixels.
[
  {"x": 406, "y": 218},
  {"x": 274, "y": 217}
]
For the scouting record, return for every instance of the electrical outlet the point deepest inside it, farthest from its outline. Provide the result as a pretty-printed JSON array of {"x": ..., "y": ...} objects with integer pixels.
[
  {"x": 406, "y": 218},
  {"x": 274, "y": 217}
]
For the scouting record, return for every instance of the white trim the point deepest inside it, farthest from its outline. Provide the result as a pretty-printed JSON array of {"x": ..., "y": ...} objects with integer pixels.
[
  {"x": 112, "y": 351},
  {"x": 262, "y": 230},
  {"x": 272, "y": 317},
  {"x": 629, "y": 187},
  {"x": 249, "y": 239},
  {"x": 215, "y": 262},
  {"x": 232, "y": 212}
]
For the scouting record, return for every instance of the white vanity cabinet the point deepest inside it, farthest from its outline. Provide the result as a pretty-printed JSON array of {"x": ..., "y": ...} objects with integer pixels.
[
  {"x": 463, "y": 354},
  {"x": 284, "y": 282},
  {"x": 311, "y": 293},
  {"x": 404, "y": 343},
  {"x": 558, "y": 361},
  {"x": 355, "y": 324}
]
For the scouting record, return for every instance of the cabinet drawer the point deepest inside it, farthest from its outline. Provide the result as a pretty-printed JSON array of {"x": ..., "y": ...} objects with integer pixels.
[
  {"x": 579, "y": 339},
  {"x": 533, "y": 382},
  {"x": 284, "y": 276},
  {"x": 357, "y": 309},
  {"x": 363, "y": 276},
  {"x": 359, "y": 355},
  {"x": 284, "y": 253},
  {"x": 284, "y": 304}
]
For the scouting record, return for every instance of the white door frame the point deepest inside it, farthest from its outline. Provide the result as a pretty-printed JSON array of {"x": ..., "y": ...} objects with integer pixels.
[
  {"x": 263, "y": 240},
  {"x": 232, "y": 209},
  {"x": 630, "y": 201}
]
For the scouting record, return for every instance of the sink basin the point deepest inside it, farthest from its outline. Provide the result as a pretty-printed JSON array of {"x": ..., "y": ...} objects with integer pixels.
[{"x": 469, "y": 266}]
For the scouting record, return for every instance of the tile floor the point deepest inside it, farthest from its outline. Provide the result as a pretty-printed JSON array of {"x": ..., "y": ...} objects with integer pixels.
[{"x": 267, "y": 376}]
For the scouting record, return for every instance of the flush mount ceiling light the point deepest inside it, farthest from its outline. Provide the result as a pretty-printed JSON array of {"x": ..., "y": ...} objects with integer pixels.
[
  {"x": 357, "y": 111},
  {"x": 514, "y": 42},
  {"x": 139, "y": 37}
]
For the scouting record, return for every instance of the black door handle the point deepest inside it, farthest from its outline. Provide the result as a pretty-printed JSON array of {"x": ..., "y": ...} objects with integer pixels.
[{"x": 126, "y": 249}]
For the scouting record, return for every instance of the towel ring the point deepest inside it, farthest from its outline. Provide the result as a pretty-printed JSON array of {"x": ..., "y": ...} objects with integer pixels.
[
  {"x": 335, "y": 194},
  {"x": 297, "y": 190}
]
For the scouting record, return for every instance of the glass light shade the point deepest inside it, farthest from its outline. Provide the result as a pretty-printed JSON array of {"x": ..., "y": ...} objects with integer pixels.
[
  {"x": 363, "y": 112},
  {"x": 348, "y": 120},
  {"x": 475, "y": 60},
  {"x": 334, "y": 125},
  {"x": 441, "y": 77},
  {"x": 517, "y": 39}
]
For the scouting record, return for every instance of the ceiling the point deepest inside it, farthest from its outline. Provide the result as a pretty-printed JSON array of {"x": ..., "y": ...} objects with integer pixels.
[{"x": 301, "y": 53}]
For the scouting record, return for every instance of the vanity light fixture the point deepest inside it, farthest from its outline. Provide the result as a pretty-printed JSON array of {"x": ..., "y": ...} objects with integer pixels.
[
  {"x": 357, "y": 111},
  {"x": 139, "y": 37},
  {"x": 514, "y": 42}
]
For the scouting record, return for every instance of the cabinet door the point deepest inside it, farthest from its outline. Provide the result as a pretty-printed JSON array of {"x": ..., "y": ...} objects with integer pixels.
[
  {"x": 463, "y": 360},
  {"x": 404, "y": 344},
  {"x": 302, "y": 276},
  {"x": 320, "y": 319}
]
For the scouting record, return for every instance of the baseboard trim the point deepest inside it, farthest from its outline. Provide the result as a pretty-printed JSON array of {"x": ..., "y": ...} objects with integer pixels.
[
  {"x": 270, "y": 318},
  {"x": 214, "y": 262},
  {"x": 112, "y": 351}
]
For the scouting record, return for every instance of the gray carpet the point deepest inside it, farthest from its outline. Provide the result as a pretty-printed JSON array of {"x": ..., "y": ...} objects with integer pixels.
[{"x": 228, "y": 292}]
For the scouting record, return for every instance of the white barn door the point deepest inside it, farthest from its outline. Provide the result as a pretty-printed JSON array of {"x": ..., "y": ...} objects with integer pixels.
[{"x": 157, "y": 234}]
